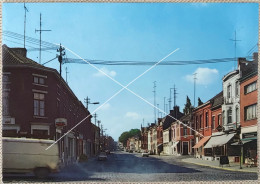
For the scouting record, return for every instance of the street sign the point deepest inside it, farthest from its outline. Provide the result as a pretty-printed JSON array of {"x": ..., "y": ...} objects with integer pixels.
[{"x": 60, "y": 122}]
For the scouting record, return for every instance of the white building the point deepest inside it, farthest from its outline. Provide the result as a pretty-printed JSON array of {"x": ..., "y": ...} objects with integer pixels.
[
  {"x": 166, "y": 142},
  {"x": 231, "y": 94}
]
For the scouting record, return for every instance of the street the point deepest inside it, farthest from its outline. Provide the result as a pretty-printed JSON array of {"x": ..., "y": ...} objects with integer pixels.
[{"x": 131, "y": 167}]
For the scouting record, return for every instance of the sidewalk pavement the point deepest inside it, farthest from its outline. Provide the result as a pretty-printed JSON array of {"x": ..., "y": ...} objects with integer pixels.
[{"x": 215, "y": 164}]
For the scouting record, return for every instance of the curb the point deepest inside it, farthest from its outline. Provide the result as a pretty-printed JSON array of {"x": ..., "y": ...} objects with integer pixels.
[{"x": 219, "y": 167}]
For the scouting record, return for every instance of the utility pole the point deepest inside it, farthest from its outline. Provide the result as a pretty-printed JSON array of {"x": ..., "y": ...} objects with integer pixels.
[
  {"x": 164, "y": 104},
  {"x": 95, "y": 116},
  {"x": 154, "y": 91},
  {"x": 66, "y": 74},
  {"x": 40, "y": 30},
  {"x": 195, "y": 78},
  {"x": 87, "y": 101},
  {"x": 175, "y": 95},
  {"x": 170, "y": 99},
  {"x": 25, "y": 10},
  {"x": 158, "y": 111},
  {"x": 60, "y": 57},
  {"x": 235, "y": 40}
]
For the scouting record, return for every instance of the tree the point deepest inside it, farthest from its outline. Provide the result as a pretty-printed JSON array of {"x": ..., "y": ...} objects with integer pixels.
[
  {"x": 125, "y": 135},
  {"x": 188, "y": 107},
  {"x": 199, "y": 101}
]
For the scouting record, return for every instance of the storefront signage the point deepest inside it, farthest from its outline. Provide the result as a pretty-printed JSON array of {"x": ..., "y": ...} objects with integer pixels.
[{"x": 60, "y": 122}]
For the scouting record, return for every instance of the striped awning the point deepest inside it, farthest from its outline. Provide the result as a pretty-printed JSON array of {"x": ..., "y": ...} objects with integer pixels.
[{"x": 201, "y": 142}]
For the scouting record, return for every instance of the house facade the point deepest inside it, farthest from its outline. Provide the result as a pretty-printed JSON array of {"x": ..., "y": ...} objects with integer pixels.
[{"x": 38, "y": 103}]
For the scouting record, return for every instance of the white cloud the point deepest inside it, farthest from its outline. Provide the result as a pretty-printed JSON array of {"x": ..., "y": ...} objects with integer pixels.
[
  {"x": 204, "y": 76},
  {"x": 105, "y": 107},
  {"x": 132, "y": 115},
  {"x": 111, "y": 73}
]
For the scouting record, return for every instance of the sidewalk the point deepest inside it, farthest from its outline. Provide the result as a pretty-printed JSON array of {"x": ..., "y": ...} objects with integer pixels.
[{"x": 215, "y": 164}]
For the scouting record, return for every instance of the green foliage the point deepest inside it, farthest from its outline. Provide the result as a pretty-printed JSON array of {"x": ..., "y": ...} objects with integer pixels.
[
  {"x": 125, "y": 135},
  {"x": 188, "y": 107}
]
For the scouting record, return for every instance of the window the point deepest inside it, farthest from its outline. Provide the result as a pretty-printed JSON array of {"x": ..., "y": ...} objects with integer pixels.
[
  {"x": 6, "y": 82},
  {"x": 237, "y": 88},
  {"x": 251, "y": 112},
  {"x": 207, "y": 118},
  {"x": 223, "y": 117},
  {"x": 185, "y": 130},
  {"x": 5, "y": 103},
  {"x": 39, "y": 109},
  {"x": 38, "y": 80},
  {"x": 250, "y": 87},
  {"x": 219, "y": 119},
  {"x": 213, "y": 122},
  {"x": 200, "y": 121},
  {"x": 237, "y": 114},
  {"x": 229, "y": 115},
  {"x": 229, "y": 91}
]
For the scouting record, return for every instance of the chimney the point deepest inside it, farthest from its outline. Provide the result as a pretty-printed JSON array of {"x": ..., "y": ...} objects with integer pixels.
[{"x": 21, "y": 51}]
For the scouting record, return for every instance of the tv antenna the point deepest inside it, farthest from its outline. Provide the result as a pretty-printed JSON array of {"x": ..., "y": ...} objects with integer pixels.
[
  {"x": 235, "y": 40},
  {"x": 40, "y": 30},
  {"x": 25, "y": 10}
]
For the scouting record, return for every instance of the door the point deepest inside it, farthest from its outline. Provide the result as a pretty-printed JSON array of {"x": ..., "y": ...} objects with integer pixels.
[{"x": 185, "y": 148}]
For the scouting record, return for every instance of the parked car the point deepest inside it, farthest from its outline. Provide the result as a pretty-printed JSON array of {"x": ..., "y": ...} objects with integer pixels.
[
  {"x": 145, "y": 154},
  {"x": 130, "y": 151},
  {"x": 24, "y": 155},
  {"x": 107, "y": 152},
  {"x": 102, "y": 156}
]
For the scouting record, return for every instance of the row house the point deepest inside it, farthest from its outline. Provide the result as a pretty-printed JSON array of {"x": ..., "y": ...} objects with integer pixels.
[
  {"x": 175, "y": 114},
  {"x": 38, "y": 103},
  {"x": 183, "y": 136},
  {"x": 248, "y": 107},
  {"x": 160, "y": 135},
  {"x": 144, "y": 139}
]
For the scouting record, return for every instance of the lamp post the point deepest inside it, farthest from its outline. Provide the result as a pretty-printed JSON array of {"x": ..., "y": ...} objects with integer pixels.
[{"x": 241, "y": 150}]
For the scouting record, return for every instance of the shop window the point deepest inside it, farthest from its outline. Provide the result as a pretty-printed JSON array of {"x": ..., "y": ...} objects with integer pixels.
[
  {"x": 251, "y": 112},
  {"x": 39, "y": 105},
  {"x": 250, "y": 87}
]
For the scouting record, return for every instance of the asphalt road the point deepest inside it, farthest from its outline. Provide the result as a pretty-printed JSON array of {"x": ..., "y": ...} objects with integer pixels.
[{"x": 131, "y": 167}]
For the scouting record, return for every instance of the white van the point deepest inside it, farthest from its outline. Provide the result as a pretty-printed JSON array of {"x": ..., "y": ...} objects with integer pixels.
[{"x": 24, "y": 155}]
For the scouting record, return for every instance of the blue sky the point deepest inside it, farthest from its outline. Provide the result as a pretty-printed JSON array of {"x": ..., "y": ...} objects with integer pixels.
[{"x": 143, "y": 32}]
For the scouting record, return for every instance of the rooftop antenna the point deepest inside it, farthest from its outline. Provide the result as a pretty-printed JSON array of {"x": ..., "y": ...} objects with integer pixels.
[
  {"x": 170, "y": 99},
  {"x": 175, "y": 95},
  {"x": 25, "y": 10},
  {"x": 154, "y": 91},
  {"x": 164, "y": 104},
  {"x": 41, "y": 30},
  {"x": 235, "y": 40}
]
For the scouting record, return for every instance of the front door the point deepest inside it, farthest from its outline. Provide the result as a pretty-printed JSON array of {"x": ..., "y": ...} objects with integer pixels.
[{"x": 185, "y": 148}]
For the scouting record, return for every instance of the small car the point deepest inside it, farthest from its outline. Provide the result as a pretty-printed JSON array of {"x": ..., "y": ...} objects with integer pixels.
[
  {"x": 145, "y": 154},
  {"x": 102, "y": 156},
  {"x": 130, "y": 151}
]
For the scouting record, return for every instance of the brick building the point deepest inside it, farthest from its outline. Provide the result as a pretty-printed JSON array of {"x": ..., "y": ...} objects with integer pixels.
[
  {"x": 248, "y": 106},
  {"x": 34, "y": 97}
]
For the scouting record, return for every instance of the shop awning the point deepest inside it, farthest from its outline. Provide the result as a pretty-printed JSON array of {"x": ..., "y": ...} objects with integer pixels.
[
  {"x": 243, "y": 142},
  {"x": 174, "y": 144},
  {"x": 201, "y": 142},
  {"x": 249, "y": 139},
  {"x": 219, "y": 140}
]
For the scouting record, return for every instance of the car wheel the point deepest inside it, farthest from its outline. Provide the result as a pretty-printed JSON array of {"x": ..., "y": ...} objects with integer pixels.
[{"x": 41, "y": 173}]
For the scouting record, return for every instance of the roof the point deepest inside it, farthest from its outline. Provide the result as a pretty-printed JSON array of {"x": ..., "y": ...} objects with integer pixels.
[
  {"x": 174, "y": 114},
  {"x": 11, "y": 56},
  {"x": 217, "y": 100}
]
